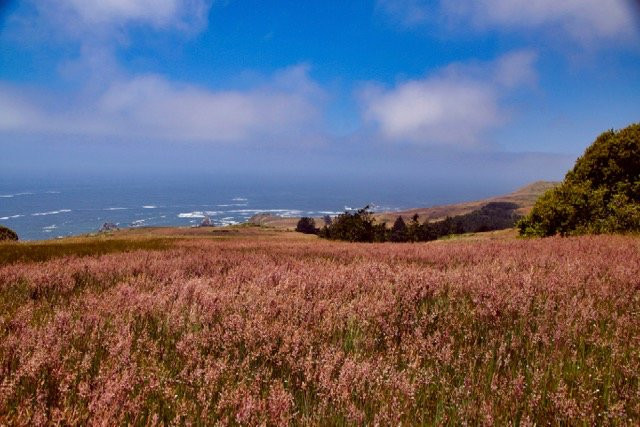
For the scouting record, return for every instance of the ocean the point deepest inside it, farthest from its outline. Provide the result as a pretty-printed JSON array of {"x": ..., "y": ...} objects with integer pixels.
[{"x": 51, "y": 206}]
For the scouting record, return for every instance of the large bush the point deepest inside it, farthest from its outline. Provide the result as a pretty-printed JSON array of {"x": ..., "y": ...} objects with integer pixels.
[
  {"x": 306, "y": 225},
  {"x": 7, "y": 234},
  {"x": 601, "y": 194}
]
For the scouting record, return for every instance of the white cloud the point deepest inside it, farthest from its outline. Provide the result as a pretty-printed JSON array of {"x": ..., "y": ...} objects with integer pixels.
[
  {"x": 516, "y": 68},
  {"x": 155, "y": 12},
  {"x": 152, "y": 107},
  {"x": 433, "y": 111},
  {"x": 584, "y": 21},
  {"x": 454, "y": 107},
  {"x": 406, "y": 12},
  {"x": 105, "y": 19}
]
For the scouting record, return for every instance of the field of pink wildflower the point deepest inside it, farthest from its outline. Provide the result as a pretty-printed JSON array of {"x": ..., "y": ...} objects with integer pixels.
[{"x": 323, "y": 333}]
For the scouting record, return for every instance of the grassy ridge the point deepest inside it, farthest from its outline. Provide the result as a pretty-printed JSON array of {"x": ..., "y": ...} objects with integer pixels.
[
  {"x": 12, "y": 252},
  {"x": 325, "y": 333}
]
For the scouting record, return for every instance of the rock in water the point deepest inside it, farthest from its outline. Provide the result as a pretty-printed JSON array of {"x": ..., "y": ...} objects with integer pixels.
[
  {"x": 206, "y": 222},
  {"x": 108, "y": 226}
]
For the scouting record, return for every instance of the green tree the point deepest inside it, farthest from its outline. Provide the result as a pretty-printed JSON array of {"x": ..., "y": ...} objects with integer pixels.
[
  {"x": 380, "y": 232},
  {"x": 428, "y": 232},
  {"x": 601, "y": 194},
  {"x": 413, "y": 229},
  {"x": 355, "y": 226},
  {"x": 399, "y": 231}
]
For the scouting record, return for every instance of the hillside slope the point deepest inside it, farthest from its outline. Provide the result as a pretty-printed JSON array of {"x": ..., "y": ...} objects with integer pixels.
[{"x": 524, "y": 197}]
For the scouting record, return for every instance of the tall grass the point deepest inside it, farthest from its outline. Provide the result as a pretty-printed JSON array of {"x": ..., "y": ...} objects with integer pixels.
[
  {"x": 238, "y": 332},
  {"x": 11, "y": 252}
]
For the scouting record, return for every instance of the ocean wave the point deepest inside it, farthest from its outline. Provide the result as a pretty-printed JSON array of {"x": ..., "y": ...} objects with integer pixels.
[
  {"x": 281, "y": 212},
  {"x": 115, "y": 209},
  {"x": 138, "y": 223},
  {"x": 48, "y": 228},
  {"x": 232, "y": 205},
  {"x": 239, "y": 199},
  {"x": 7, "y": 196},
  {"x": 4, "y": 218},
  {"x": 228, "y": 220},
  {"x": 51, "y": 212},
  {"x": 149, "y": 207},
  {"x": 191, "y": 215},
  {"x": 198, "y": 214}
]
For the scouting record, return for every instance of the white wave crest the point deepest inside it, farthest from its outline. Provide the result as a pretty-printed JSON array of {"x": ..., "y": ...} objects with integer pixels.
[
  {"x": 198, "y": 214},
  {"x": 51, "y": 212},
  {"x": 7, "y": 196},
  {"x": 281, "y": 212},
  {"x": 4, "y": 218}
]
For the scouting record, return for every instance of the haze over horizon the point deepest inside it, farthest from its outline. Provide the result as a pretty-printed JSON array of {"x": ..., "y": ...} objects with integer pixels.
[{"x": 494, "y": 92}]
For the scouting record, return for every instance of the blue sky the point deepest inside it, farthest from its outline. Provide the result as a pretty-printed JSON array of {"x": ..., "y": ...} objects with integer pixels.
[{"x": 498, "y": 92}]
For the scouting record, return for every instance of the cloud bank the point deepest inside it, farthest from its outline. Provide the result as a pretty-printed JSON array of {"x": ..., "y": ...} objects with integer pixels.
[
  {"x": 285, "y": 107},
  {"x": 108, "y": 101},
  {"x": 93, "y": 16},
  {"x": 584, "y": 21},
  {"x": 454, "y": 106}
]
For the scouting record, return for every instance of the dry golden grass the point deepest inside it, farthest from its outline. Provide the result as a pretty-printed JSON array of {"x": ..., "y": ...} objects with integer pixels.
[
  {"x": 524, "y": 197},
  {"x": 133, "y": 239}
]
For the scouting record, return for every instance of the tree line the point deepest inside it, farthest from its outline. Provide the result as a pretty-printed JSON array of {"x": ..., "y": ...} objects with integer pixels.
[{"x": 361, "y": 226}]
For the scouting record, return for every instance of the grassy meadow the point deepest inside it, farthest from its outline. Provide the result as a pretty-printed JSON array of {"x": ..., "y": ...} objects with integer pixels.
[{"x": 267, "y": 327}]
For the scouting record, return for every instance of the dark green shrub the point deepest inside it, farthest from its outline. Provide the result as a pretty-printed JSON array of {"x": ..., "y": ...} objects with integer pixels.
[
  {"x": 399, "y": 232},
  {"x": 7, "y": 234},
  {"x": 380, "y": 232},
  {"x": 414, "y": 232},
  {"x": 306, "y": 225},
  {"x": 427, "y": 232},
  {"x": 355, "y": 226}
]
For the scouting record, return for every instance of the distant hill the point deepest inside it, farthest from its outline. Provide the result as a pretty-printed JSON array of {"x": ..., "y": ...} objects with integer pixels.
[{"x": 524, "y": 197}]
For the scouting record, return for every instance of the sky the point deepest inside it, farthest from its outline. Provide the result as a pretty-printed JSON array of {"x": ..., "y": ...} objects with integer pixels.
[{"x": 494, "y": 92}]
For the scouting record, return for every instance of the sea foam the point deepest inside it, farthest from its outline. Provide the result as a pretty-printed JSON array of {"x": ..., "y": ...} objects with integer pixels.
[
  {"x": 4, "y": 218},
  {"x": 51, "y": 212}
]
